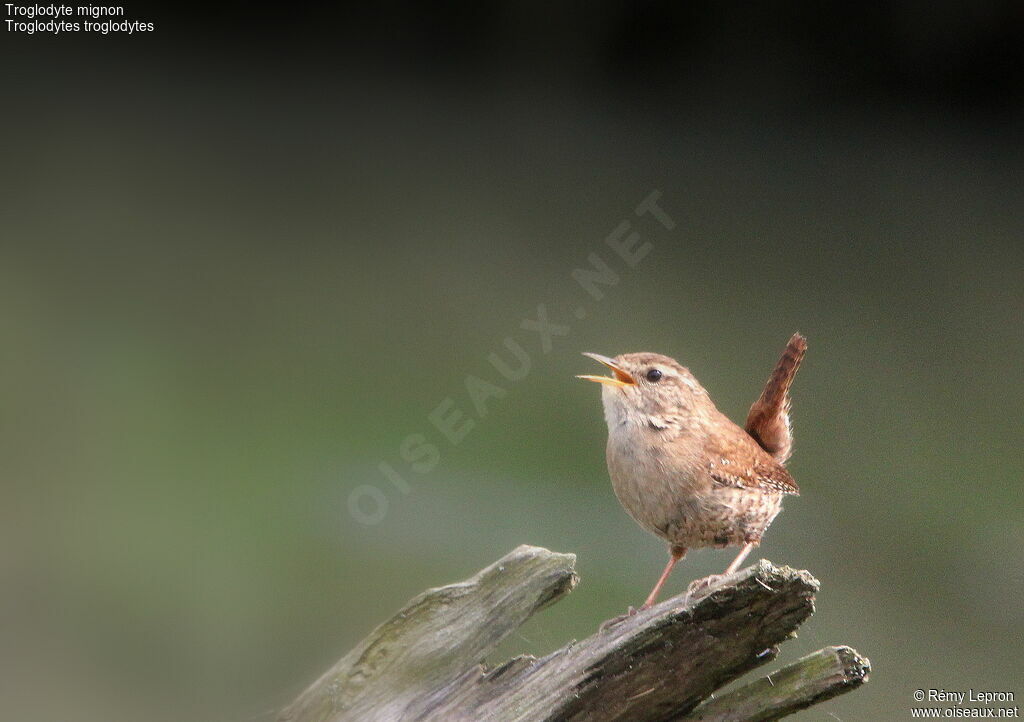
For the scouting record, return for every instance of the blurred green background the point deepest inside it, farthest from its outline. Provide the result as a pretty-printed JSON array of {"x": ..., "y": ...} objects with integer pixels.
[{"x": 245, "y": 258}]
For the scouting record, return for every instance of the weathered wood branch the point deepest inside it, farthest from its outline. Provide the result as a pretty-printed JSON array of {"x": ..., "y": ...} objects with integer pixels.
[
  {"x": 815, "y": 678},
  {"x": 436, "y": 638},
  {"x": 665, "y": 663}
]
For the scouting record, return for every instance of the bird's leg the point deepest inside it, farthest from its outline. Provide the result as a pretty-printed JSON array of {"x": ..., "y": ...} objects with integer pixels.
[
  {"x": 698, "y": 584},
  {"x": 739, "y": 558},
  {"x": 675, "y": 554}
]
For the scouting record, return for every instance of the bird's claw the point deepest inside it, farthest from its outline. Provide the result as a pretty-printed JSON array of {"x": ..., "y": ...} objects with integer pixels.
[
  {"x": 698, "y": 585},
  {"x": 608, "y": 624}
]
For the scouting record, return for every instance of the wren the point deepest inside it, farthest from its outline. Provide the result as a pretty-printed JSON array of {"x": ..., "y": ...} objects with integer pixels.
[{"x": 682, "y": 469}]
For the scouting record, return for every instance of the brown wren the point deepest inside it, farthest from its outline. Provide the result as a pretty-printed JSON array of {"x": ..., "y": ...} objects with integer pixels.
[{"x": 682, "y": 469}]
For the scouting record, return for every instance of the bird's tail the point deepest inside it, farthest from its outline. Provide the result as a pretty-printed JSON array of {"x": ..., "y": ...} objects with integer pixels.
[{"x": 768, "y": 420}]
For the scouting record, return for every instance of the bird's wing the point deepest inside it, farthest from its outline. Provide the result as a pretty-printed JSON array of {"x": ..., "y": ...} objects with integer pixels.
[
  {"x": 768, "y": 420},
  {"x": 735, "y": 460},
  {"x": 763, "y": 477}
]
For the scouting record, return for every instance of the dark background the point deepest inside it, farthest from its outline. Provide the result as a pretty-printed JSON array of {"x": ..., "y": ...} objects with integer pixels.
[{"x": 244, "y": 257}]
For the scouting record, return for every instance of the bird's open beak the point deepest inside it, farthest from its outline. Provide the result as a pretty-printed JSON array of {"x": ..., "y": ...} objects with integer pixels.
[{"x": 621, "y": 378}]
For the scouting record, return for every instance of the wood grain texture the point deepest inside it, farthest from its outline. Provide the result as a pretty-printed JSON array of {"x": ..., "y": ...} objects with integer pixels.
[
  {"x": 426, "y": 662},
  {"x": 812, "y": 679},
  {"x": 435, "y": 638}
]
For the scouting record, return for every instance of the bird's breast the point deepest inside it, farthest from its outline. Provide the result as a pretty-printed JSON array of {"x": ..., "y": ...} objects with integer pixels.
[{"x": 654, "y": 477}]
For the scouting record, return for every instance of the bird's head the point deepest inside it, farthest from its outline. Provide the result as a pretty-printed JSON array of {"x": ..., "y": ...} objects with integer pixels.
[{"x": 648, "y": 389}]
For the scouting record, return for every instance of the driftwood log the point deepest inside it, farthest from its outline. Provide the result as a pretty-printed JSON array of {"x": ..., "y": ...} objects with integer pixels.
[{"x": 665, "y": 663}]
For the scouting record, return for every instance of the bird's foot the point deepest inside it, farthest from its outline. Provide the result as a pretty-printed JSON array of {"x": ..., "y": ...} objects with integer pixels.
[
  {"x": 699, "y": 585},
  {"x": 608, "y": 624}
]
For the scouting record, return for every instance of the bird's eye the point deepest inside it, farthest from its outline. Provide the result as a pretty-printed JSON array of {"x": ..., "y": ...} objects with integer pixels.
[{"x": 654, "y": 375}]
